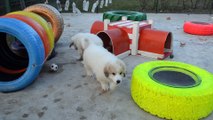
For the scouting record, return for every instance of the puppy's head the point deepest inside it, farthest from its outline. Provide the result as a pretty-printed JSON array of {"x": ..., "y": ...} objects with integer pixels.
[
  {"x": 115, "y": 71},
  {"x": 85, "y": 43}
]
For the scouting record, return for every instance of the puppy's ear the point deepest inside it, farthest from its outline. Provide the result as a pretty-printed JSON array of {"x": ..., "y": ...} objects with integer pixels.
[
  {"x": 109, "y": 69},
  {"x": 124, "y": 73},
  {"x": 71, "y": 44},
  {"x": 106, "y": 70},
  {"x": 123, "y": 67}
]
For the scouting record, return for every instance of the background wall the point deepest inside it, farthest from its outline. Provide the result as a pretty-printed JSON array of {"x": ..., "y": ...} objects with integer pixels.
[
  {"x": 192, "y": 6},
  {"x": 14, "y": 5},
  {"x": 157, "y": 6}
]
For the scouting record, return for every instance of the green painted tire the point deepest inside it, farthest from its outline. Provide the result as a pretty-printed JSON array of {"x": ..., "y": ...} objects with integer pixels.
[
  {"x": 173, "y": 101},
  {"x": 131, "y": 15}
]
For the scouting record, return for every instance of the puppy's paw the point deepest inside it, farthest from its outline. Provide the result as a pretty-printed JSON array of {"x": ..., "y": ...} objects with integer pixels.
[
  {"x": 90, "y": 77},
  {"x": 80, "y": 59},
  {"x": 83, "y": 76},
  {"x": 89, "y": 73},
  {"x": 105, "y": 87},
  {"x": 103, "y": 91},
  {"x": 112, "y": 85}
]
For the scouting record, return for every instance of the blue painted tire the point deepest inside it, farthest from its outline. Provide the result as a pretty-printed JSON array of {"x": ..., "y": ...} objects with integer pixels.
[{"x": 35, "y": 49}]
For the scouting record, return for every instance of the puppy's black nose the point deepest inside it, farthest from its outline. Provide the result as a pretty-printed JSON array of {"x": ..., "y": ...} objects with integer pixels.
[{"x": 118, "y": 81}]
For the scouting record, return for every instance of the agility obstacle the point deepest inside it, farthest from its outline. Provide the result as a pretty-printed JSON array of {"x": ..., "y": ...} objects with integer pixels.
[
  {"x": 27, "y": 40},
  {"x": 127, "y": 37}
]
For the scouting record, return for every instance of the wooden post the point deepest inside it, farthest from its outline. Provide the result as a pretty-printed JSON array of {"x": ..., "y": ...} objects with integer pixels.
[
  {"x": 106, "y": 22},
  {"x": 123, "y": 18},
  {"x": 135, "y": 37}
]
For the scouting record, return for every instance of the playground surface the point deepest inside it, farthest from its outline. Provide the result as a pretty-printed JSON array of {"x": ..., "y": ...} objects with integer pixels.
[{"x": 68, "y": 95}]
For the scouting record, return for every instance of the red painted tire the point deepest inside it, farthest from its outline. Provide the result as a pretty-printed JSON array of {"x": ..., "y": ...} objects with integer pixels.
[
  {"x": 198, "y": 28},
  {"x": 37, "y": 27},
  {"x": 42, "y": 22}
]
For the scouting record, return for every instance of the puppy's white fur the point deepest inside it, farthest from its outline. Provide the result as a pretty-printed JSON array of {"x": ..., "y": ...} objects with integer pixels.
[
  {"x": 82, "y": 40},
  {"x": 108, "y": 69}
]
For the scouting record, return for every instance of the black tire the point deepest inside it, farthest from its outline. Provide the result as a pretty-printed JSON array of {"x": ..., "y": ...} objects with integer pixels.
[{"x": 131, "y": 15}]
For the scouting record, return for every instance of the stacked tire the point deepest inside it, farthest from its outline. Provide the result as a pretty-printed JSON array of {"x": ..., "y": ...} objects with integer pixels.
[
  {"x": 130, "y": 15},
  {"x": 37, "y": 28}
]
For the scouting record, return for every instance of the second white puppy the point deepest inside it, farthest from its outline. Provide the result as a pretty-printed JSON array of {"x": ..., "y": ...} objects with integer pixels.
[
  {"x": 80, "y": 42},
  {"x": 108, "y": 69}
]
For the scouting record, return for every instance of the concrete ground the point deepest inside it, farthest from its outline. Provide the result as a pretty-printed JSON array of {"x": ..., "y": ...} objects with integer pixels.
[{"x": 67, "y": 95}]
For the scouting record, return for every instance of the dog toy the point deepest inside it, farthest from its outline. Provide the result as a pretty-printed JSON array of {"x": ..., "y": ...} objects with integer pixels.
[{"x": 53, "y": 67}]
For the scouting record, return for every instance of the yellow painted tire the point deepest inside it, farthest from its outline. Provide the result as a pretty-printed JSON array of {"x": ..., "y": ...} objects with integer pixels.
[
  {"x": 52, "y": 15},
  {"x": 42, "y": 22},
  {"x": 172, "y": 102}
]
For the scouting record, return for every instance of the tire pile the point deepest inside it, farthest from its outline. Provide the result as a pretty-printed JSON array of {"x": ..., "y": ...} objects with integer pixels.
[{"x": 37, "y": 28}]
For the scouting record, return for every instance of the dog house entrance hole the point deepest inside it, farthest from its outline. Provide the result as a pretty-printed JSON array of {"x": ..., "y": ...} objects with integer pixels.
[
  {"x": 168, "y": 42},
  {"x": 174, "y": 77},
  {"x": 106, "y": 41}
]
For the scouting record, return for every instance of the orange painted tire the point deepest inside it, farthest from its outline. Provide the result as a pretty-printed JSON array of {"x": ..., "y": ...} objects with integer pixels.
[
  {"x": 37, "y": 27},
  {"x": 198, "y": 28},
  {"x": 52, "y": 15},
  {"x": 42, "y": 22}
]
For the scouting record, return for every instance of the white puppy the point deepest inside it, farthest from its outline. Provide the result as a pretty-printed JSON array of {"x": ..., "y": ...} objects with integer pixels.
[
  {"x": 80, "y": 42},
  {"x": 108, "y": 69}
]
